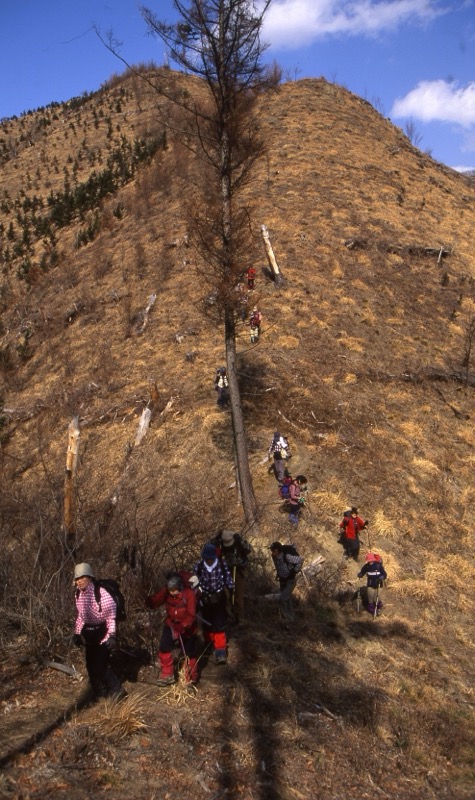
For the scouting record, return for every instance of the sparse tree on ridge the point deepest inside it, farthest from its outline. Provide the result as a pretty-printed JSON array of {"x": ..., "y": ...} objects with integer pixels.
[{"x": 219, "y": 41}]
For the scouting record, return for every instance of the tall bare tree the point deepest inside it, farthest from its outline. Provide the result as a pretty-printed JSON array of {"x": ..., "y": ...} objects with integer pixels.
[{"x": 219, "y": 41}]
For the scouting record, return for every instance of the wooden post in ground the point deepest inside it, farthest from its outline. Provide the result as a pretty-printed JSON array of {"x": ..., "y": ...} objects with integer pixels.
[
  {"x": 271, "y": 257},
  {"x": 70, "y": 479}
]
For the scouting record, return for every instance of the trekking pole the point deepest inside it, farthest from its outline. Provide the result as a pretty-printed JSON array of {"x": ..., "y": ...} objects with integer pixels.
[
  {"x": 369, "y": 539},
  {"x": 375, "y": 612},
  {"x": 233, "y": 593},
  {"x": 186, "y": 660},
  {"x": 152, "y": 645},
  {"x": 358, "y": 600}
]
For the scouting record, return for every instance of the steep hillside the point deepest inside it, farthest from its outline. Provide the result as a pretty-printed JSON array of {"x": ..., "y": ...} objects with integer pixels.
[{"x": 365, "y": 363}]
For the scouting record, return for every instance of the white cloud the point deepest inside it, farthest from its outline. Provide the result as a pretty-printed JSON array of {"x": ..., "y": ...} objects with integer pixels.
[
  {"x": 291, "y": 24},
  {"x": 438, "y": 101}
]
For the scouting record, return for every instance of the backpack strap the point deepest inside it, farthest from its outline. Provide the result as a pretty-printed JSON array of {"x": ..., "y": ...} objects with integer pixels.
[{"x": 97, "y": 594}]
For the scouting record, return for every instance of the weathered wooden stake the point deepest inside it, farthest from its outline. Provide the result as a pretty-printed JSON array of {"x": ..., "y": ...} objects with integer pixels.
[
  {"x": 143, "y": 425},
  {"x": 70, "y": 477},
  {"x": 271, "y": 257}
]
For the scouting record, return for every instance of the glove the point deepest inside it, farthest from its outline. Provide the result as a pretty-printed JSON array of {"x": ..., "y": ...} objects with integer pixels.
[
  {"x": 77, "y": 640},
  {"x": 111, "y": 643}
]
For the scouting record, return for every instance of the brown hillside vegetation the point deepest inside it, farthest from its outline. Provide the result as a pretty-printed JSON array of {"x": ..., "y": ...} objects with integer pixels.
[{"x": 365, "y": 363}]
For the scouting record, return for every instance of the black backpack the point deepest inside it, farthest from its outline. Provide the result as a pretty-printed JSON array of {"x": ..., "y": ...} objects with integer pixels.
[
  {"x": 291, "y": 550},
  {"x": 112, "y": 587}
]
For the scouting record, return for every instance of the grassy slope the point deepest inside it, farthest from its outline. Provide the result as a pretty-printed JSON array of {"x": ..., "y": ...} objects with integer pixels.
[{"x": 351, "y": 348}]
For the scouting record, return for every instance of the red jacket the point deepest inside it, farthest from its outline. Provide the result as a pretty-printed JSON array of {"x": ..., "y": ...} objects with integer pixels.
[
  {"x": 351, "y": 526},
  {"x": 181, "y": 609}
]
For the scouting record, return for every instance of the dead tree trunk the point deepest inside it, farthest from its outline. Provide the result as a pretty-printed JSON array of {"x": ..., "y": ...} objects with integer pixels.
[
  {"x": 278, "y": 278},
  {"x": 70, "y": 479},
  {"x": 243, "y": 472}
]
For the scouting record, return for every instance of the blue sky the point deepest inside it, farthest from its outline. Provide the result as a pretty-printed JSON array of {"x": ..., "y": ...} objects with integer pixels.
[{"x": 414, "y": 60}]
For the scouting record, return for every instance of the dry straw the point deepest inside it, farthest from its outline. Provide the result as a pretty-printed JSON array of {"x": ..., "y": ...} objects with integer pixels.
[{"x": 118, "y": 719}]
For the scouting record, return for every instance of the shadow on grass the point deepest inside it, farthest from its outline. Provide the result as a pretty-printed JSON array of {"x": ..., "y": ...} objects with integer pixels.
[
  {"x": 85, "y": 699},
  {"x": 279, "y": 674}
]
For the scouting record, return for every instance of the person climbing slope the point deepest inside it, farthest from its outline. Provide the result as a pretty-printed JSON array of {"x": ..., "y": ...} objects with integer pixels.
[
  {"x": 179, "y": 628},
  {"x": 214, "y": 577},
  {"x": 375, "y": 574},
  {"x": 255, "y": 321},
  {"x": 296, "y": 498},
  {"x": 350, "y": 527},
  {"x": 221, "y": 386},
  {"x": 288, "y": 563},
  {"x": 235, "y": 550},
  {"x": 279, "y": 451},
  {"x": 95, "y": 628}
]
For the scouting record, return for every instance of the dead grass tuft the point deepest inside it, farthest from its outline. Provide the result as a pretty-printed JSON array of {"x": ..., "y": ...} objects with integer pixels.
[
  {"x": 381, "y": 525},
  {"x": 118, "y": 719}
]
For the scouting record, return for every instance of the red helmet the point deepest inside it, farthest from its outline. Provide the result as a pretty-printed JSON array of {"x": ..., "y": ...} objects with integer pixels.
[{"x": 373, "y": 557}]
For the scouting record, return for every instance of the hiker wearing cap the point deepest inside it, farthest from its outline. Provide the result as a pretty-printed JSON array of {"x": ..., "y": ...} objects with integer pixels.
[
  {"x": 95, "y": 628},
  {"x": 279, "y": 452},
  {"x": 375, "y": 575},
  {"x": 287, "y": 563},
  {"x": 179, "y": 628},
  {"x": 235, "y": 551},
  {"x": 214, "y": 577},
  {"x": 296, "y": 498},
  {"x": 350, "y": 527}
]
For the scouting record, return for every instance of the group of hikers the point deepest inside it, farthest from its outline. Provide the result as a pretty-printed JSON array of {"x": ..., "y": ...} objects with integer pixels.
[
  {"x": 293, "y": 491},
  {"x": 212, "y": 594},
  {"x": 209, "y": 596}
]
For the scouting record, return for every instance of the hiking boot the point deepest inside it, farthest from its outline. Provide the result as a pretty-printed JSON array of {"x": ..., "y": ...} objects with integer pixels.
[{"x": 165, "y": 680}]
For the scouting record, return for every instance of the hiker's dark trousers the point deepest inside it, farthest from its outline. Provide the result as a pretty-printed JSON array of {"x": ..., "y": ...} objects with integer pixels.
[
  {"x": 104, "y": 681},
  {"x": 352, "y": 548}
]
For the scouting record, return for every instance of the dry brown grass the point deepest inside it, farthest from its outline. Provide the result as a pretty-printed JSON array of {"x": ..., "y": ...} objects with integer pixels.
[
  {"x": 119, "y": 719},
  {"x": 348, "y": 355}
]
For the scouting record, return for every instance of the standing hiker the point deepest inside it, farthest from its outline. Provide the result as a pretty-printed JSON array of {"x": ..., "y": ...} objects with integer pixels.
[
  {"x": 255, "y": 320},
  {"x": 375, "y": 575},
  {"x": 242, "y": 300},
  {"x": 279, "y": 451},
  {"x": 179, "y": 628},
  {"x": 251, "y": 277},
  {"x": 96, "y": 629},
  {"x": 288, "y": 563},
  {"x": 221, "y": 385},
  {"x": 350, "y": 527},
  {"x": 214, "y": 577},
  {"x": 296, "y": 498},
  {"x": 235, "y": 551}
]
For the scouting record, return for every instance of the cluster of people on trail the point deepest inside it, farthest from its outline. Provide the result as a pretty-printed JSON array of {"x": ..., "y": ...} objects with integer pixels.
[
  {"x": 210, "y": 596},
  {"x": 293, "y": 491}
]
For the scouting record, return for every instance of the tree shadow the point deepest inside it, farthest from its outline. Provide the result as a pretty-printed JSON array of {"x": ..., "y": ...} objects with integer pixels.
[
  {"x": 277, "y": 676},
  {"x": 85, "y": 699}
]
